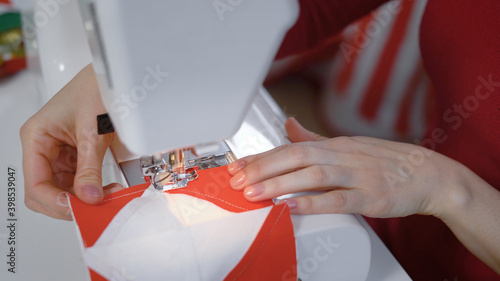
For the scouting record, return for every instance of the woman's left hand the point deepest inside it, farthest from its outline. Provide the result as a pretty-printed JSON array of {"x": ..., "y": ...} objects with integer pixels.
[{"x": 372, "y": 177}]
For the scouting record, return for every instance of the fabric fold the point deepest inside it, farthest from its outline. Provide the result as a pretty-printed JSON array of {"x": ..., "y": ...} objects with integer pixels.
[{"x": 206, "y": 231}]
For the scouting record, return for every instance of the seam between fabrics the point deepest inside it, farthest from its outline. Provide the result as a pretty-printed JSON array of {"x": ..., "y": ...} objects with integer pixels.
[{"x": 213, "y": 197}]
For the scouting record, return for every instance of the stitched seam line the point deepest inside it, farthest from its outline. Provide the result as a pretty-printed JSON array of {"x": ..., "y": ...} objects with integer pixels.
[
  {"x": 128, "y": 194},
  {"x": 213, "y": 197}
]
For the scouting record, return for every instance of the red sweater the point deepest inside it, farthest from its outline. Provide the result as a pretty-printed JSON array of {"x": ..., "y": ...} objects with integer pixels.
[{"x": 460, "y": 46}]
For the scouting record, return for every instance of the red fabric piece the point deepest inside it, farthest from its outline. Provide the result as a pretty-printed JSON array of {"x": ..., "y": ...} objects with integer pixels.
[
  {"x": 255, "y": 265},
  {"x": 212, "y": 185},
  {"x": 460, "y": 46},
  {"x": 86, "y": 215},
  {"x": 94, "y": 276},
  {"x": 100, "y": 216}
]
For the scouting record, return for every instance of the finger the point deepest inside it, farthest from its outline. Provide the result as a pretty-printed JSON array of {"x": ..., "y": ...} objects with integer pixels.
[
  {"x": 48, "y": 200},
  {"x": 339, "y": 144},
  {"x": 297, "y": 133},
  {"x": 312, "y": 178},
  {"x": 343, "y": 201},
  {"x": 112, "y": 188},
  {"x": 236, "y": 166},
  {"x": 88, "y": 179},
  {"x": 64, "y": 181},
  {"x": 40, "y": 194},
  {"x": 39, "y": 208},
  {"x": 283, "y": 161}
]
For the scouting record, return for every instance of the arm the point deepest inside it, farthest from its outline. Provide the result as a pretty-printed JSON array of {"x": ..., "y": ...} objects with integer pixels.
[
  {"x": 473, "y": 214},
  {"x": 375, "y": 178}
]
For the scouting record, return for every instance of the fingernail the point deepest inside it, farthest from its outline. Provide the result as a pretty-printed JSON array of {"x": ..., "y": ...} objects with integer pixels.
[
  {"x": 254, "y": 190},
  {"x": 290, "y": 202},
  {"x": 91, "y": 191},
  {"x": 296, "y": 122},
  {"x": 236, "y": 166},
  {"x": 237, "y": 180},
  {"x": 62, "y": 199}
]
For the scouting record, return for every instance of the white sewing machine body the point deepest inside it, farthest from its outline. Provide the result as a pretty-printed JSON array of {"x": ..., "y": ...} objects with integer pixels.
[
  {"x": 189, "y": 73},
  {"x": 176, "y": 74}
]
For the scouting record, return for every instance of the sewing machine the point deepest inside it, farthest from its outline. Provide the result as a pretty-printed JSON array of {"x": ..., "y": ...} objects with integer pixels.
[
  {"x": 182, "y": 84},
  {"x": 188, "y": 75}
]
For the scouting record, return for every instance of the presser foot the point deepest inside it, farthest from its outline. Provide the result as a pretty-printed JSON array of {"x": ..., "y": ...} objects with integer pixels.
[{"x": 176, "y": 169}]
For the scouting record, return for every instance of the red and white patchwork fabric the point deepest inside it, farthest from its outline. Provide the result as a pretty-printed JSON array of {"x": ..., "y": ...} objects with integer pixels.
[
  {"x": 376, "y": 85},
  {"x": 370, "y": 77},
  {"x": 206, "y": 231}
]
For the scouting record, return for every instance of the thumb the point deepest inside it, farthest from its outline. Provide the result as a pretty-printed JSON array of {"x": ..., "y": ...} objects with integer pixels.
[
  {"x": 88, "y": 178},
  {"x": 297, "y": 133}
]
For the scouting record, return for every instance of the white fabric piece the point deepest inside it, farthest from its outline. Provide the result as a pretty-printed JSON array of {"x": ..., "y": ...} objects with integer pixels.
[
  {"x": 192, "y": 210},
  {"x": 153, "y": 238}
]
